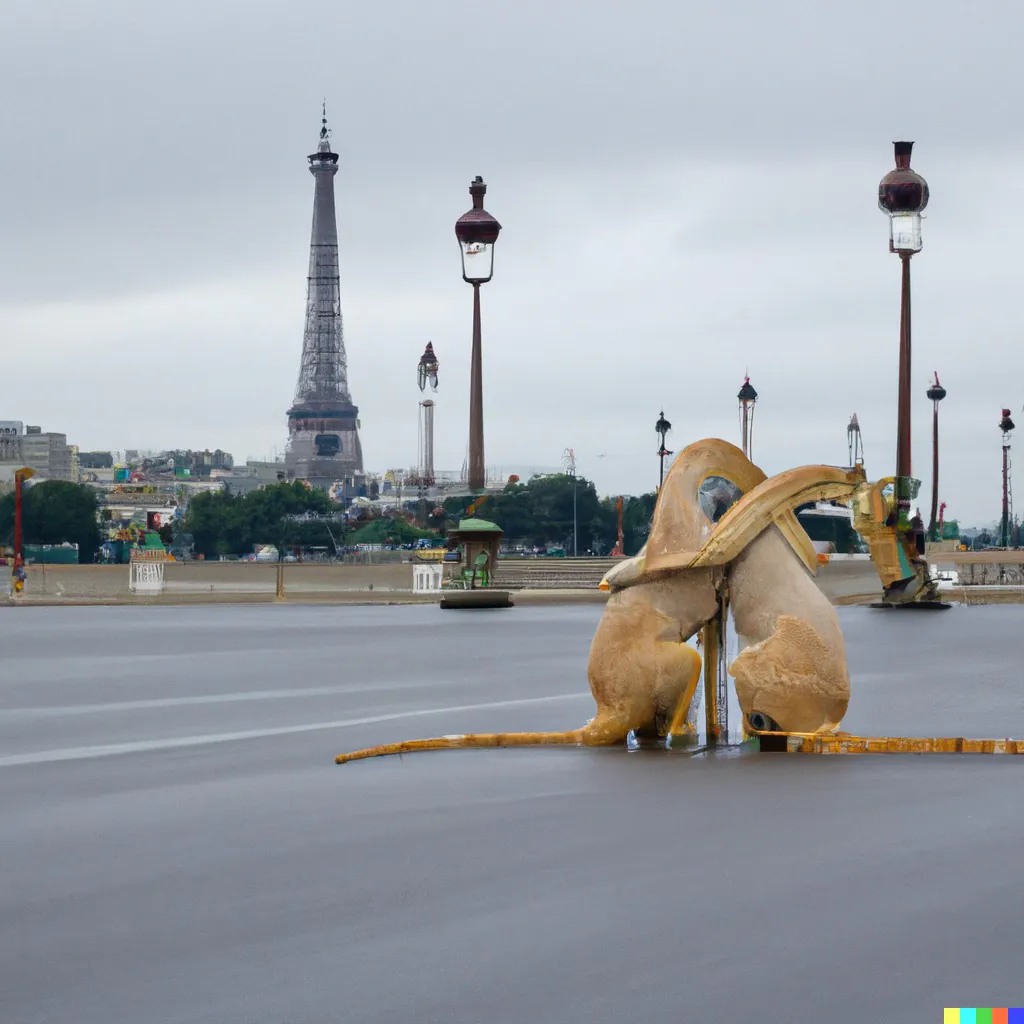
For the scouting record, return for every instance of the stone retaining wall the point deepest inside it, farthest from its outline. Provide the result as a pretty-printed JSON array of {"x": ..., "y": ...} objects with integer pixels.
[{"x": 224, "y": 580}]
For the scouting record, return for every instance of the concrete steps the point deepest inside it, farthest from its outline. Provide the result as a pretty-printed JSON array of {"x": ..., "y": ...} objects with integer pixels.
[{"x": 552, "y": 573}]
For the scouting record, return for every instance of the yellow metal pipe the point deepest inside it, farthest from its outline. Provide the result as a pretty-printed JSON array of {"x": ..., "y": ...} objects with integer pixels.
[
  {"x": 845, "y": 743},
  {"x": 757, "y": 509}
]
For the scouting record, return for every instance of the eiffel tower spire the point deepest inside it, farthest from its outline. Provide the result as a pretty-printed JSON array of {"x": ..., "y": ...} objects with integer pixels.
[{"x": 323, "y": 437}]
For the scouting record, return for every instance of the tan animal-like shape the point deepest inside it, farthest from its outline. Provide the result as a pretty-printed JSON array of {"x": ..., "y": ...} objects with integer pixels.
[
  {"x": 791, "y": 672},
  {"x": 642, "y": 672}
]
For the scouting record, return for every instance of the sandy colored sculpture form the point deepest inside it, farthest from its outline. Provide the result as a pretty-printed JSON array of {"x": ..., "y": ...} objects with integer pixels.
[{"x": 721, "y": 532}]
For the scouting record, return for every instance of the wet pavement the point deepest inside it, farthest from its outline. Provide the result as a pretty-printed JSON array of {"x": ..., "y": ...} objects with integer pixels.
[{"x": 178, "y": 846}]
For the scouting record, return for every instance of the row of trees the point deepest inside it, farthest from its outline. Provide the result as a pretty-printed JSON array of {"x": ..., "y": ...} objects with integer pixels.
[
  {"x": 538, "y": 513},
  {"x": 54, "y": 512},
  {"x": 222, "y": 523}
]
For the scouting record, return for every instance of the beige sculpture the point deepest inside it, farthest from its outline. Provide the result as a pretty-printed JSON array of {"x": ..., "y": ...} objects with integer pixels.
[{"x": 722, "y": 533}]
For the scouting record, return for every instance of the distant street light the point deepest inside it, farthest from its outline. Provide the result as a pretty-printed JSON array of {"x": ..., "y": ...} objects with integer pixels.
[
  {"x": 1006, "y": 426},
  {"x": 936, "y": 393},
  {"x": 903, "y": 195},
  {"x": 569, "y": 458},
  {"x": 477, "y": 231},
  {"x": 747, "y": 397},
  {"x": 661, "y": 428}
]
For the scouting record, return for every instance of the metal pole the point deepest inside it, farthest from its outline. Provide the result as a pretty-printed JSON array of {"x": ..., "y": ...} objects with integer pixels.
[
  {"x": 477, "y": 475},
  {"x": 661, "y": 469},
  {"x": 903, "y": 467},
  {"x": 710, "y": 640},
  {"x": 17, "y": 518},
  {"x": 716, "y": 680},
  {"x": 932, "y": 534},
  {"x": 1004, "y": 533},
  {"x": 18, "y": 570},
  {"x": 575, "y": 548}
]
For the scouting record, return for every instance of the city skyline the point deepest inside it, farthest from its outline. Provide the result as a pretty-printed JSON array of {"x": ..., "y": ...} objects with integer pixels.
[{"x": 655, "y": 245}]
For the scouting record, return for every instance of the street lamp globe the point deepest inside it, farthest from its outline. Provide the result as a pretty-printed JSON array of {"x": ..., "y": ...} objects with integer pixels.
[
  {"x": 662, "y": 427},
  {"x": 903, "y": 195},
  {"x": 427, "y": 368},
  {"x": 477, "y": 231}
]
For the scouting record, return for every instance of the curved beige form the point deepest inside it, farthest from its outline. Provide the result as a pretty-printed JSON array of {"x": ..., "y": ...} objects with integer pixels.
[
  {"x": 680, "y": 531},
  {"x": 641, "y": 670}
]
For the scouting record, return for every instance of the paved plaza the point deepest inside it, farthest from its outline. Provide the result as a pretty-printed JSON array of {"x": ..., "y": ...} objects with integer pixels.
[{"x": 178, "y": 845}]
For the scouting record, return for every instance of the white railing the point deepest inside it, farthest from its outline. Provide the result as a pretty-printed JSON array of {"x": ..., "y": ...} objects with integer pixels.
[
  {"x": 146, "y": 572},
  {"x": 426, "y": 578}
]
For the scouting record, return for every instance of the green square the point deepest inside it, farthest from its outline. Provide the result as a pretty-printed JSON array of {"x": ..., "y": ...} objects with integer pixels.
[{"x": 983, "y": 1015}]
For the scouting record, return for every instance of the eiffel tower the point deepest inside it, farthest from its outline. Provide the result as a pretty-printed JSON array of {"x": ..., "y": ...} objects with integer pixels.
[{"x": 323, "y": 424}]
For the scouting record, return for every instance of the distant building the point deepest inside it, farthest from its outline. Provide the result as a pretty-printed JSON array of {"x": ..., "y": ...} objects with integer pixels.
[
  {"x": 96, "y": 460},
  {"x": 253, "y": 475},
  {"x": 204, "y": 462},
  {"x": 11, "y": 432},
  {"x": 323, "y": 423},
  {"x": 47, "y": 453}
]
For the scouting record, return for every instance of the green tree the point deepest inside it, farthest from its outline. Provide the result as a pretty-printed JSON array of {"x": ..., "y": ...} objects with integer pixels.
[
  {"x": 388, "y": 531},
  {"x": 637, "y": 512},
  {"x": 225, "y": 523},
  {"x": 540, "y": 511},
  {"x": 55, "y": 512}
]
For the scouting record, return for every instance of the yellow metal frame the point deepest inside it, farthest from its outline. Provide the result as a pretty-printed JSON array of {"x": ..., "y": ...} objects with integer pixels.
[{"x": 845, "y": 743}]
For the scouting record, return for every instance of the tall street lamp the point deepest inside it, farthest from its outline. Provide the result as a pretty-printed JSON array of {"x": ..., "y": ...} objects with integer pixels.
[
  {"x": 661, "y": 428},
  {"x": 903, "y": 195},
  {"x": 936, "y": 393},
  {"x": 477, "y": 231},
  {"x": 21, "y": 476},
  {"x": 855, "y": 442},
  {"x": 569, "y": 458},
  {"x": 1006, "y": 426}
]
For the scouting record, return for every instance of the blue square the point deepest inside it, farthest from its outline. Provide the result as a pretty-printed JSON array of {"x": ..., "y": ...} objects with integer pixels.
[{"x": 1015, "y": 1015}]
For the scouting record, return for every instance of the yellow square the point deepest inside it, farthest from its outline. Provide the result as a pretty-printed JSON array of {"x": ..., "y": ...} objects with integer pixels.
[{"x": 951, "y": 1015}]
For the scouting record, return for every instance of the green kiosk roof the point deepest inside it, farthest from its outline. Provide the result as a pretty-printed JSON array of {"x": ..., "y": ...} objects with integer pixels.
[{"x": 476, "y": 526}]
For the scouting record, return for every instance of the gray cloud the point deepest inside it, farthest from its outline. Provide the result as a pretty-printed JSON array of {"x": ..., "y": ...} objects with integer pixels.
[{"x": 686, "y": 192}]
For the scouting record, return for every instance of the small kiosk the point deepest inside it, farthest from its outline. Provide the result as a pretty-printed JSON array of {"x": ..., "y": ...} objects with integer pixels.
[{"x": 471, "y": 566}]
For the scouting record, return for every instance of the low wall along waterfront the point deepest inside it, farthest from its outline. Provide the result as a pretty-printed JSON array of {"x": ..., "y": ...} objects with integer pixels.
[{"x": 843, "y": 580}]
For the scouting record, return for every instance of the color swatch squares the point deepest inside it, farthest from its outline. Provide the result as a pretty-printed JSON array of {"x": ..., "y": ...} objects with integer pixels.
[{"x": 983, "y": 1015}]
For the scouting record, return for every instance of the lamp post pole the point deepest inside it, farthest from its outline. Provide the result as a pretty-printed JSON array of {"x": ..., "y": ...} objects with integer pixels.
[
  {"x": 936, "y": 393},
  {"x": 477, "y": 470},
  {"x": 1006, "y": 426},
  {"x": 661, "y": 428},
  {"x": 903, "y": 194},
  {"x": 477, "y": 231},
  {"x": 570, "y": 463},
  {"x": 18, "y": 569}
]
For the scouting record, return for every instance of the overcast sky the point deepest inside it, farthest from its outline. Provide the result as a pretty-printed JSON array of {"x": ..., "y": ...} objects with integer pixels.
[{"x": 686, "y": 191}]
